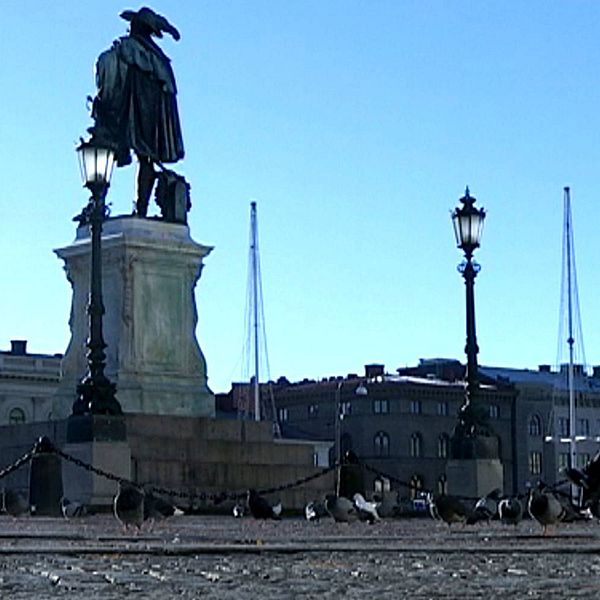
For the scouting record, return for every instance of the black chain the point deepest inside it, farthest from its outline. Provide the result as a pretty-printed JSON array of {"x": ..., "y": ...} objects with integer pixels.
[
  {"x": 43, "y": 445},
  {"x": 394, "y": 479},
  {"x": 298, "y": 482},
  {"x": 17, "y": 464},
  {"x": 96, "y": 470}
]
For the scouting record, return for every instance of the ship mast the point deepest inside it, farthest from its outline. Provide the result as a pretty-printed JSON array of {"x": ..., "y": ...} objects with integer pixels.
[
  {"x": 256, "y": 342},
  {"x": 570, "y": 339},
  {"x": 570, "y": 317}
]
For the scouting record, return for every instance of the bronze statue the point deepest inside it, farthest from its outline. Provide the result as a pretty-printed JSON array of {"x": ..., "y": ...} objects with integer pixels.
[{"x": 136, "y": 107}]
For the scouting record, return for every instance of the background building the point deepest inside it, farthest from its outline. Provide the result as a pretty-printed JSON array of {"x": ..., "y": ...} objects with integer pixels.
[
  {"x": 27, "y": 384},
  {"x": 400, "y": 427},
  {"x": 542, "y": 419}
]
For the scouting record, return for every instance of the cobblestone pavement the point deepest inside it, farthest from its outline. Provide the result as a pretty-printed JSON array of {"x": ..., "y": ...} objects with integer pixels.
[{"x": 223, "y": 557}]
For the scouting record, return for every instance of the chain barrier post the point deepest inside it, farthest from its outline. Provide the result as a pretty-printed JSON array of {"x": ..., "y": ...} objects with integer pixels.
[
  {"x": 352, "y": 479},
  {"x": 45, "y": 479},
  {"x": 99, "y": 440}
]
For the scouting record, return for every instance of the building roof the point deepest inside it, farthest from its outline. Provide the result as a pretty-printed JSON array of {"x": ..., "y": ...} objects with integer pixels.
[{"x": 543, "y": 378}]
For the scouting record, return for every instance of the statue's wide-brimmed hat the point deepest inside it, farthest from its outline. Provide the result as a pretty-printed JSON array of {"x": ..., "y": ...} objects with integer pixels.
[{"x": 148, "y": 18}]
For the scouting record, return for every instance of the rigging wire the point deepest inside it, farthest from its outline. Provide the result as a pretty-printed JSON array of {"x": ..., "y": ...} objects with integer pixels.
[{"x": 255, "y": 349}]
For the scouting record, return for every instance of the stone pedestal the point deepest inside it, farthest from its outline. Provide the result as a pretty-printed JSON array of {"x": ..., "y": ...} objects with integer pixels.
[
  {"x": 474, "y": 477},
  {"x": 81, "y": 485},
  {"x": 150, "y": 270},
  {"x": 101, "y": 442}
]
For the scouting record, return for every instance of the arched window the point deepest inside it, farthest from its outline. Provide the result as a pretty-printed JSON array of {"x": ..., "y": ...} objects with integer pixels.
[
  {"x": 442, "y": 485},
  {"x": 415, "y": 486},
  {"x": 416, "y": 445},
  {"x": 381, "y": 485},
  {"x": 535, "y": 425},
  {"x": 535, "y": 463},
  {"x": 381, "y": 444},
  {"x": 16, "y": 416},
  {"x": 443, "y": 445}
]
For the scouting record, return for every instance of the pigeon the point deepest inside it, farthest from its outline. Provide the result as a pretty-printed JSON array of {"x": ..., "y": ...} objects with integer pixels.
[
  {"x": 314, "y": 511},
  {"x": 157, "y": 509},
  {"x": 510, "y": 510},
  {"x": 485, "y": 508},
  {"x": 572, "y": 512},
  {"x": 128, "y": 505},
  {"x": 367, "y": 511},
  {"x": 15, "y": 503},
  {"x": 341, "y": 509},
  {"x": 545, "y": 507},
  {"x": 447, "y": 508},
  {"x": 72, "y": 510},
  {"x": 588, "y": 479},
  {"x": 260, "y": 508}
]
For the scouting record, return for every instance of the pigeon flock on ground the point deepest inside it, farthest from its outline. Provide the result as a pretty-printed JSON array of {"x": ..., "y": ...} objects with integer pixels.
[{"x": 134, "y": 507}]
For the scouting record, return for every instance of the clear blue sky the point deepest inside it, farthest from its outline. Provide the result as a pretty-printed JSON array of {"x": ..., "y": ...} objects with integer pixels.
[{"x": 356, "y": 126}]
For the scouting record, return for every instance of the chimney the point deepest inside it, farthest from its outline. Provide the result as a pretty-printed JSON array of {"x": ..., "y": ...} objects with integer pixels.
[
  {"x": 18, "y": 347},
  {"x": 372, "y": 371}
]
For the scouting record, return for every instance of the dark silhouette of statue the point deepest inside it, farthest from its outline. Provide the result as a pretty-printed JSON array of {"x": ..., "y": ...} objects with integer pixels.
[{"x": 135, "y": 108}]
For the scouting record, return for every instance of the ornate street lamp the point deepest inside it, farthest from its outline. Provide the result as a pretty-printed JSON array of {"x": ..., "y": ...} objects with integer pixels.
[
  {"x": 95, "y": 393},
  {"x": 468, "y": 226}
]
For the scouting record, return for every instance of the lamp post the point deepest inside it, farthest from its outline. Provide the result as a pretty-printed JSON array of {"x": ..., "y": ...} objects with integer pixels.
[
  {"x": 95, "y": 392},
  {"x": 468, "y": 226},
  {"x": 340, "y": 413}
]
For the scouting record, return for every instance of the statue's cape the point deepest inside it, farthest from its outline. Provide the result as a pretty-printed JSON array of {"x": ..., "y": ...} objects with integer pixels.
[{"x": 136, "y": 105}]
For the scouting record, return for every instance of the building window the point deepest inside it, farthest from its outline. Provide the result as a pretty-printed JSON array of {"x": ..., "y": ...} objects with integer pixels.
[
  {"x": 381, "y": 444},
  {"x": 313, "y": 411},
  {"x": 583, "y": 427},
  {"x": 316, "y": 459},
  {"x": 535, "y": 463},
  {"x": 494, "y": 411},
  {"x": 442, "y": 409},
  {"x": 345, "y": 408},
  {"x": 415, "y": 407},
  {"x": 416, "y": 445},
  {"x": 563, "y": 426},
  {"x": 16, "y": 416},
  {"x": 415, "y": 486},
  {"x": 381, "y": 485},
  {"x": 442, "y": 485},
  {"x": 282, "y": 415},
  {"x": 535, "y": 426},
  {"x": 443, "y": 445},
  {"x": 563, "y": 460},
  {"x": 381, "y": 407},
  {"x": 583, "y": 459}
]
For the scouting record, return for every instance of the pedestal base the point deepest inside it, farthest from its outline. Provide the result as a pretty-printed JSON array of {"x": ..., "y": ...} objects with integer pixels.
[
  {"x": 474, "y": 477},
  {"x": 99, "y": 441},
  {"x": 81, "y": 485},
  {"x": 149, "y": 273}
]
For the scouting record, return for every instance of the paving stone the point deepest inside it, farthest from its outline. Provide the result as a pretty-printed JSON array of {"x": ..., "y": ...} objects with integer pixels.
[{"x": 223, "y": 557}]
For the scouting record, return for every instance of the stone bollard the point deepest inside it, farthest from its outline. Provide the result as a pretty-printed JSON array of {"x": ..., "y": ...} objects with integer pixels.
[{"x": 45, "y": 480}]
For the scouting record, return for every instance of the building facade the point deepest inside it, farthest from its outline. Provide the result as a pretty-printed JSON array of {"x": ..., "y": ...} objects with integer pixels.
[
  {"x": 542, "y": 424},
  {"x": 27, "y": 384},
  {"x": 400, "y": 425}
]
